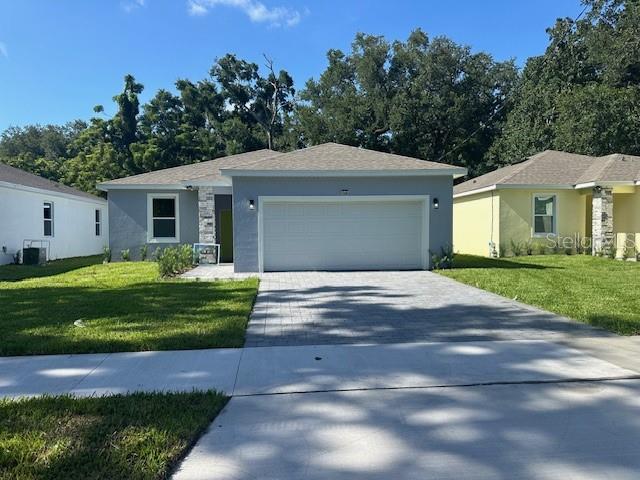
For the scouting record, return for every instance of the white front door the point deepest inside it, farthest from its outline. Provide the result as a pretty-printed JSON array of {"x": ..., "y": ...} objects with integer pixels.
[{"x": 343, "y": 234}]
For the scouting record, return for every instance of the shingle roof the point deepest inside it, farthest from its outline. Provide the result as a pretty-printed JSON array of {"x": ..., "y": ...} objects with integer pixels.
[
  {"x": 209, "y": 170},
  {"x": 337, "y": 157},
  {"x": 556, "y": 168},
  {"x": 325, "y": 157},
  {"x": 16, "y": 176}
]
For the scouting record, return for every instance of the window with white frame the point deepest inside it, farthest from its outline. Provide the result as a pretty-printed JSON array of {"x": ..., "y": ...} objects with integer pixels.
[
  {"x": 47, "y": 217},
  {"x": 98, "y": 222},
  {"x": 544, "y": 214},
  {"x": 162, "y": 219}
]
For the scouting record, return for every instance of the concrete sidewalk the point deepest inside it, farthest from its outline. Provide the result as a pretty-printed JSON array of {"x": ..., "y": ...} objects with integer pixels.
[
  {"x": 269, "y": 370},
  {"x": 565, "y": 431}
]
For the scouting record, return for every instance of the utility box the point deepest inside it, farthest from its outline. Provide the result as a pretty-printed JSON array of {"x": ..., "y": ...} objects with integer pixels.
[{"x": 34, "y": 256}]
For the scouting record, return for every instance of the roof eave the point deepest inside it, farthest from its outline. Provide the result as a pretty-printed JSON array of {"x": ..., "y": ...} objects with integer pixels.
[
  {"x": 456, "y": 172},
  {"x": 612, "y": 183},
  {"x": 45, "y": 191},
  {"x": 510, "y": 186},
  {"x": 105, "y": 187}
]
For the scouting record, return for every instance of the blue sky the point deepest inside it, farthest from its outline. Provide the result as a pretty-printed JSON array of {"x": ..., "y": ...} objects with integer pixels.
[{"x": 60, "y": 58}]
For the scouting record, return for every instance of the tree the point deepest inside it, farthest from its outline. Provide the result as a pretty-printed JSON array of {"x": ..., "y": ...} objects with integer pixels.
[
  {"x": 583, "y": 94},
  {"x": 41, "y": 150},
  {"x": 421, "y": 98},
  {"x": 252, "y": 99}
]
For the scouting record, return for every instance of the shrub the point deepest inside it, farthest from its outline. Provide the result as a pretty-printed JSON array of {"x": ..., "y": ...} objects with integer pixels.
[
  {"x": 444, "y": 260},
  {"x": 516, "y": 248},
  {"x": 174, "y": 260},
  {"x": 580, "y": 248},
  {"x": 502, "y": 250},
  {"x": 106, "y": 255},
  {"x": 610, "y": 252},
  {"x": 144, "y": 252},
  {"x": 568, "y": 251},
  {"x": 540, "y": 248},
  {"x": 125, "y": 255},
  {"x": 528, "y": 247}
]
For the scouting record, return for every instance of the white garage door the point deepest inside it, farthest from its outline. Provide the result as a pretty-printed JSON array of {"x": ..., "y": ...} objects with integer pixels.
[{"x": 342, "y": 235}]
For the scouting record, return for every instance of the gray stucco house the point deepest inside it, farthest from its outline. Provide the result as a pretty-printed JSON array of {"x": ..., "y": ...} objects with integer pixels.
[{"x": 326, "y": 207}]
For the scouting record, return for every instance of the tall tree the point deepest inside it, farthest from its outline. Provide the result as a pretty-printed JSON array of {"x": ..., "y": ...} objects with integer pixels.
[
  {"x": 583, "y": 94},
  {"x": 252, "y": 99},
  {"x": 421, "y": 98}
]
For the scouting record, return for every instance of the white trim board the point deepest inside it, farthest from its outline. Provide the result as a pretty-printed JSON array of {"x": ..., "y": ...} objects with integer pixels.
[
  {"x": 424, "y": 199},
  {"x": 141, "y": 186},
  {"x": 150, "y": 237}
]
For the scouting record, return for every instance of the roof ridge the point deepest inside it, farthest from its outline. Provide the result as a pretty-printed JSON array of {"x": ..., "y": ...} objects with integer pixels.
[
  {"x": 605, "y": 164},
  {"x": 248, "y": 163},
  {"x": 522, "y": 165}
]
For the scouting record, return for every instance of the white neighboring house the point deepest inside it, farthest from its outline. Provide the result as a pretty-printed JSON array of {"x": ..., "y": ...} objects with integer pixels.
[{"x": 69, "y": 222}]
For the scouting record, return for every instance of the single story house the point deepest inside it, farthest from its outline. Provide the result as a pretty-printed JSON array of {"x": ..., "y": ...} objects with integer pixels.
[
  {"x": 551, "y": 197},
  {"x": 326, "y": 207},
  {"x": 39, "y": 213}
]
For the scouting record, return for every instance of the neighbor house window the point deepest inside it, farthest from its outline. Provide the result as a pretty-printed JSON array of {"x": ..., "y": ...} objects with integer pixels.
[
  {"x": 163, "y": 218},
  {"x": 48, "y": 218},
  {"x": 98, "y": 222},
  {"x": 544, "y": 214}
]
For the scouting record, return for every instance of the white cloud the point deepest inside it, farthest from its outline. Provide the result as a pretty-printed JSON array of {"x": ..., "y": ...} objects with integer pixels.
[
  {"x": 131, "y": 5},
  {"x": 257, "y": 11},
  {"x": 3, "y": 50}
]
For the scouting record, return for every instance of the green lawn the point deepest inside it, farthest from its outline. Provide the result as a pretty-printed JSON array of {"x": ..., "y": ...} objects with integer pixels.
[
  {"x": 139, "y": 436},
  {"x": 123, "y": 307},
  {"x": 594, "y": 290}
]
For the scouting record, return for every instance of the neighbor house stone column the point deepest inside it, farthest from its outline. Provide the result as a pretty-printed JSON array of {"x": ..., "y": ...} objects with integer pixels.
[
  {"x": 206, "y": 211},
  {"x": 602, "y": 219}
]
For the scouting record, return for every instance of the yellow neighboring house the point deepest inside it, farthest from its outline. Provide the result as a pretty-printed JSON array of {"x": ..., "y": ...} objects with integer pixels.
[{"x": 551, "y": 198}]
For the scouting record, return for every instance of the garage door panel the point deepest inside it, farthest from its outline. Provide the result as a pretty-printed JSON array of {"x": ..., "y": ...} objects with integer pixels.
[{"x": 346, "y": 235}]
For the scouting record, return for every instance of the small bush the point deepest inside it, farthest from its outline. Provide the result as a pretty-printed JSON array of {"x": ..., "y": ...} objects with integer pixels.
[
  {"x": 516, "y": 248},
  {"x": 568, "y": 251},
  {"x": 540, "y": 248},
  {"x": 610, "y": 252},
  {"x": 444, "y": 260},
  {"x": 144, "y": 252},
  {"x": 502, "y": 250},
  {"x": 106, "y": 255},
  {"x": 528, "y": 247},
  {"x": 174, "y": 260},
  {"x": 125, "y": 255},
  {"x": 580, "y": 248}
]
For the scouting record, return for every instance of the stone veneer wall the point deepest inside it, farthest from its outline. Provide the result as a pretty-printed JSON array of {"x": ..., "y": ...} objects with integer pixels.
[
  {"x": 602, "y": 219},
  {"x": 206, "y": 223}
]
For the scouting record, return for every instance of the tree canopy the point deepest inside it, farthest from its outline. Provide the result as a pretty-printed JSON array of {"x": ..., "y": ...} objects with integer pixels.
[{"x": 429, "y": 98}]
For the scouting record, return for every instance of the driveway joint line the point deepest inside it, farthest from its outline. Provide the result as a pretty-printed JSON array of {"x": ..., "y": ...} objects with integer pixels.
[
  {"x": 91, "y": 372},
  {"x": 456, "y": 385},
  {"x": 235, "y": 379}
]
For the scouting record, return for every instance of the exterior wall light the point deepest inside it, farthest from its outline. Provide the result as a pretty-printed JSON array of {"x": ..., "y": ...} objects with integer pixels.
[
  {"x": 436, "y": 203},
  {"x": 344, "y": 191},
  {"x": 252, "y": 205}
]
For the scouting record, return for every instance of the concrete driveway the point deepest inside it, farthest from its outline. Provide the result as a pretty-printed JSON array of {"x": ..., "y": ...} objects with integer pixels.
[{"x": 312, "y": 308}]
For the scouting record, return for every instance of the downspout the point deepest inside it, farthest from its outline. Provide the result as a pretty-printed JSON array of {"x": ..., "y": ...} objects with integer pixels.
[{"x": 492, "y": 246}]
